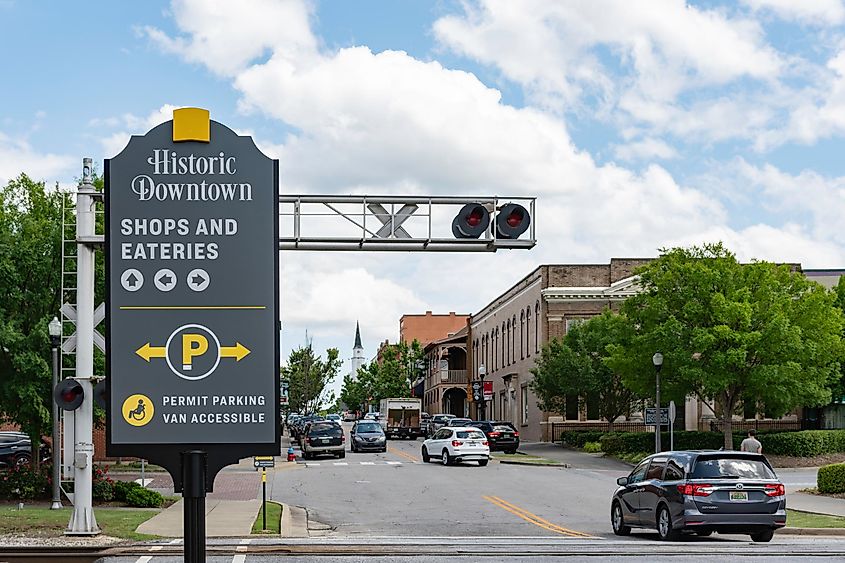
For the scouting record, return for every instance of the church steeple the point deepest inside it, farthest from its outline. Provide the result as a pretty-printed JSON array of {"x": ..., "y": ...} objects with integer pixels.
[{"x": 357, "y": 337}]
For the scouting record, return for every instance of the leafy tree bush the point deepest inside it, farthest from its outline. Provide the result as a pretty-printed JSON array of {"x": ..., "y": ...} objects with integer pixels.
[
  {"x": 577, "y": 439},
  {"x": 24, "y": 482},
  {"x": 731, "y": 332},
  {"x": 143, "y": 498},
  {"x": 122, "y": 488},
  {"x": 592, "y": 447},
  {"x": 831, "y": 478},
  {"x": 805, "y": 443},
  {"x": 102, "y": 487}
]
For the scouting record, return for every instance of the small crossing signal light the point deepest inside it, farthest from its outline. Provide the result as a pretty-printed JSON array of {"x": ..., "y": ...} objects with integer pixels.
[
  {"x": 100, "y": 396},
  {"x": 68, "y": 394},
  {"x": 471, "y": 221},
  {"x": 511, "y": 221}
]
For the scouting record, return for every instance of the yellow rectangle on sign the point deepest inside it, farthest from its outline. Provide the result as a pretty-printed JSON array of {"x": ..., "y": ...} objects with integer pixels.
[{"x": 191, "y": 124}]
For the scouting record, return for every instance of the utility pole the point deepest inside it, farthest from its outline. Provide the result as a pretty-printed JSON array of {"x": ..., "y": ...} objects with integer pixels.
[{"x": 82, "y": 521}]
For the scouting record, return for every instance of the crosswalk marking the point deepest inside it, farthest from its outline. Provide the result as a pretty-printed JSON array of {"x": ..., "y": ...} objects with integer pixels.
[
  {"x": 346, "y": 464},
  {"x": 368, "y": 463},
  {"x": 394, "y": 463},
  {"x": 340, "y": 463}
]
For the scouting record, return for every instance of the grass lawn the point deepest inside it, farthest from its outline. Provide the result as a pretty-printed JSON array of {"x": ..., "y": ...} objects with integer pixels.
[
  {"x": 795, "y": 519},
  {"x": 532, "y": 460},
  {"x": 274, "y": 519},
  {"x": 41, "y": 521}
]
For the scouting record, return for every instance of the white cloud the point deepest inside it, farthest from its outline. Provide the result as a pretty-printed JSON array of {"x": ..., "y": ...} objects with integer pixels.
[
  {"x": 553, "y": 47},
  {"x": 820, "y": 12},
  {"x": 17, "y": 156},
  {"x": 113, "y": 143},
  {"x": 645, "y": 149},
  {"x": 227, "y": 36}
]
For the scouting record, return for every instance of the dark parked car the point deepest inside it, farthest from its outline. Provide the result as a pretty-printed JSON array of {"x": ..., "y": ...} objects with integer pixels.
[
  {"x": 16, "y": 449},
  {"x": 702, "y": 492},
  {"x": 455, "y": 422},
  {"x": 437, "y": 422},
  {"x": 323, "y": 437},
  {"x": 368, "y": 435},
  {"x": 501, "y": 435}
]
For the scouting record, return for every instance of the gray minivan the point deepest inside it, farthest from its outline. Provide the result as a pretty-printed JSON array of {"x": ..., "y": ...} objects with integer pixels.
[
  {"x": 323, "y": 437},
  {"x": 702, "y": 492}
]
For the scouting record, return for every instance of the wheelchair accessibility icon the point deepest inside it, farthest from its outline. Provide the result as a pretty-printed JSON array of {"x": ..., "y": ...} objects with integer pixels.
[{"x": 138, "y": 410}]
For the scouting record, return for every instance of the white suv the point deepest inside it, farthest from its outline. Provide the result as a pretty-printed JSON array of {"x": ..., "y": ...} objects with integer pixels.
[{"x": 454, "y": 445}]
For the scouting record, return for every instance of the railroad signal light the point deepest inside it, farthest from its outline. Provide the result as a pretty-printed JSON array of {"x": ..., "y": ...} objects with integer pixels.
[
  {"x": 100, "y": 396},
  {"x": 68, "y": 394},
  {"x": 511, "y": 221},
  {"x": 471, "y": 222}
]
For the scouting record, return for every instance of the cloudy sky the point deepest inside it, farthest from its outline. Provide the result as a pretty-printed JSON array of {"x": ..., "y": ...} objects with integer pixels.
[{"x": 637, "y": 125}]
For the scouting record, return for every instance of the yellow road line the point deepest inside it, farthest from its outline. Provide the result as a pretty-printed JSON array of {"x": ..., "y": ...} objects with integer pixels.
[
  {"x": 403, "y": 454},
  {"x": 534, "y": 519}
]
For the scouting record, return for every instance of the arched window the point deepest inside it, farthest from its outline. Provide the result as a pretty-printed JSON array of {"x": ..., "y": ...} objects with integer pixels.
[
  {"x": 513, "y": 339},
  {"x": 495, "y": 344},
  {"x": 508, "y": 344},
  {"x": 537, "y": 326},
  {"x": 502, "y": 343},
  {"x": 528, "y": 331},
  {"x": 521, "y": 335}
]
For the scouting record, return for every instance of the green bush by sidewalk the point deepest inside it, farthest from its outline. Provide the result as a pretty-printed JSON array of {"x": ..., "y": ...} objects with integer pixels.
[
  {"x": 831, "y": 478},
  {"x": 144, "y": 498}
]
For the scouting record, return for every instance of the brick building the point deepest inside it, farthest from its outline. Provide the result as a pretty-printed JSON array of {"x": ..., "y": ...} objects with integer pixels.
[
  {"x": 508, "y": 334},
  {"x": 429, "y": 327}
]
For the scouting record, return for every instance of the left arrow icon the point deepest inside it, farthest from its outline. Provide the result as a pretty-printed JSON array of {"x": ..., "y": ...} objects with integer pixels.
[{"x": 146, "y": 351}]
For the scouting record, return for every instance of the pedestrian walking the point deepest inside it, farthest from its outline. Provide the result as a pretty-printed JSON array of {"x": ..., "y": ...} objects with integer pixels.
[{"x": 751, "y": 444}]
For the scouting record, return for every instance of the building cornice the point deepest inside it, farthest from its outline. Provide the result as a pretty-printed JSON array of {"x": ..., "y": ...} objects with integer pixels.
[{"x": 619, "y": 291}]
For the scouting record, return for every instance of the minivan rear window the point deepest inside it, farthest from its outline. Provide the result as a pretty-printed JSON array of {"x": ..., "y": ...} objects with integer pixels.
[
  {"x": 325, "y": 430},
  {"x": 731, "y": 468}
]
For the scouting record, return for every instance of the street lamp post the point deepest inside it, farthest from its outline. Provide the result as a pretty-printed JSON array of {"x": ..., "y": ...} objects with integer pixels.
[
  {"x": 55, "y": 330},
  {"x": 482, "y": 371},
  {"x": 657, "y": 360}
]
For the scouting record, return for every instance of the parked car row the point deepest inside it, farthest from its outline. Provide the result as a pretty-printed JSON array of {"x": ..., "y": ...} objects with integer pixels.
[{"x": 16, "y": 449}]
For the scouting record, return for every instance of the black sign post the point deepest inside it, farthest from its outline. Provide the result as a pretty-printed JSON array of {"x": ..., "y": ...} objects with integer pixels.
[{"x": 193, "y": 305}]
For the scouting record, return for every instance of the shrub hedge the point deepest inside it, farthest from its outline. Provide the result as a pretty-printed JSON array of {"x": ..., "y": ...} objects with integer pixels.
[
  {"x": 805, "y": 443},
  {"x": 577, "y": 439},
  {"x": 143, "y": 498},
  {"x": 122, "y": 488},
  {"x": 831, "y": 478}
]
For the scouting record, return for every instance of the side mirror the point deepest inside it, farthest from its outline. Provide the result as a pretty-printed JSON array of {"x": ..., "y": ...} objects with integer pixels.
[{"x": 622, "y": 481}]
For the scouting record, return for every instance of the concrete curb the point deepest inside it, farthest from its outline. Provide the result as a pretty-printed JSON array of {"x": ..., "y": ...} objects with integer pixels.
[
  {"x": 811, "y": 531},
  {"x": 515, "y": 462},
  {"x": 294, "y": 522}
]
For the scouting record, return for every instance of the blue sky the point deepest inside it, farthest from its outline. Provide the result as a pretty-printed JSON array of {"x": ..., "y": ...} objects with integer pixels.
[{"x": 637, "y": 125}]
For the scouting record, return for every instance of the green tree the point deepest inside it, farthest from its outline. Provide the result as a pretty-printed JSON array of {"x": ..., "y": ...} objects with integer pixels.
[
  {"x": 731, "y": 331},
  {"x": 308, "y": 377},
  {"x": 577, "y": 365},
  {"x": 30, "y": 287},
  {"x": 392, "y": 377}
]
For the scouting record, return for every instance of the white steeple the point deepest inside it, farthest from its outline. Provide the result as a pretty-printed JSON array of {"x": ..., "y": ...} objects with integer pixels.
[{"x": 358, "y": 358}]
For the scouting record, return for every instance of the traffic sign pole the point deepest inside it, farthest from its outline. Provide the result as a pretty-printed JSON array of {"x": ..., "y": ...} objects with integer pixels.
[
  {"x": 264, "y": 498},
  {"x": 193, "y": 491}
]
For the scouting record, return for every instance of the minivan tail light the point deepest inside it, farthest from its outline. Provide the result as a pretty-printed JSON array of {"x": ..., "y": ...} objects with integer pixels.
[
  {"x": 516, "y": 434},
  {"x": 775, "y": 490},
  {"x": 343, "y": 438},
  {"x": 696, "y": 490},
  {"x": 457, "y": 443}
]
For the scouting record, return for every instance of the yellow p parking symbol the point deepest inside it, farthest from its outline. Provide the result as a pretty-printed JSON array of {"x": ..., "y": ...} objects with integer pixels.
[{"x": 193, "y": 345}]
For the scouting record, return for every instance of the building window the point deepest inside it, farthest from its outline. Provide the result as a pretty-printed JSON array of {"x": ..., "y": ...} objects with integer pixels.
[
  {"x": 524, "y": 394},
  {"x": 593, "y": 406},
  {"x": 502, "y": 410},
  {"x": 573, "y": 322},
  {"x": 537, "y": 326},
  {"x": 508, "y": 344},
  {"x": 513, "y": 340},
  {"x": 521, "y": 335},
  {"x": 528, "y": 332}
]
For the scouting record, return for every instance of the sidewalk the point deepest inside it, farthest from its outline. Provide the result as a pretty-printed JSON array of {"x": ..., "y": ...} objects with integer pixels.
[
  {"x": 816, "y": 503},
  {"x": 574, "y": 458}
]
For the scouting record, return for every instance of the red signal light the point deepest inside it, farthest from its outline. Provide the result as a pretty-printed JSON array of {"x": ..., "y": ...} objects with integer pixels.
[
  {"x": 471, "y": 221},
  {"x": 511, "y": 221}
]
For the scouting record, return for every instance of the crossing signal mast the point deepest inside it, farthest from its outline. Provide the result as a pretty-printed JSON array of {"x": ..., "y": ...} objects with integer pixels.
[{"x": 406, "y": 223}]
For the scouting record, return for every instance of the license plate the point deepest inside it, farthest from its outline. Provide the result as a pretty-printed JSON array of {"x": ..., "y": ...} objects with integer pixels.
[
  {"x": 325, "y": 440},
  {"x": 472, "y": 443},
  {"x": 739, "y": 495}
]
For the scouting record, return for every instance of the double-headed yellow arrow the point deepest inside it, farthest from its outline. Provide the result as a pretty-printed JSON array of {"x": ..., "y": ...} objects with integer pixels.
[{"x": 238, "y": 351}]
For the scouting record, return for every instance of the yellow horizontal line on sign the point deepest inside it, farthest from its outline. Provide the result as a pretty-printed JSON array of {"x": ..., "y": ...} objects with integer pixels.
[{"x": 187, "y": 307}]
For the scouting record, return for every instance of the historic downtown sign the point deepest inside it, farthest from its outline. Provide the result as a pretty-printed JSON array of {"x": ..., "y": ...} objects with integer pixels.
[{"x": 193, "y": 295}]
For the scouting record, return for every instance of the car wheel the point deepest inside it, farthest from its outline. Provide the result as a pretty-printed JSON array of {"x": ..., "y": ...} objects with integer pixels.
[
  {"x": 664, "y": 525},
  {"x": 446, "y": 458},
  {"x": 482, "y": 462},
  {"x": 617, "y": 520},
  {"x": 763, "y": 537},
  {"x": 425, "y": 457},
  {"x": 342, "y": 455},
  {"x": 22, "y": 460}
]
